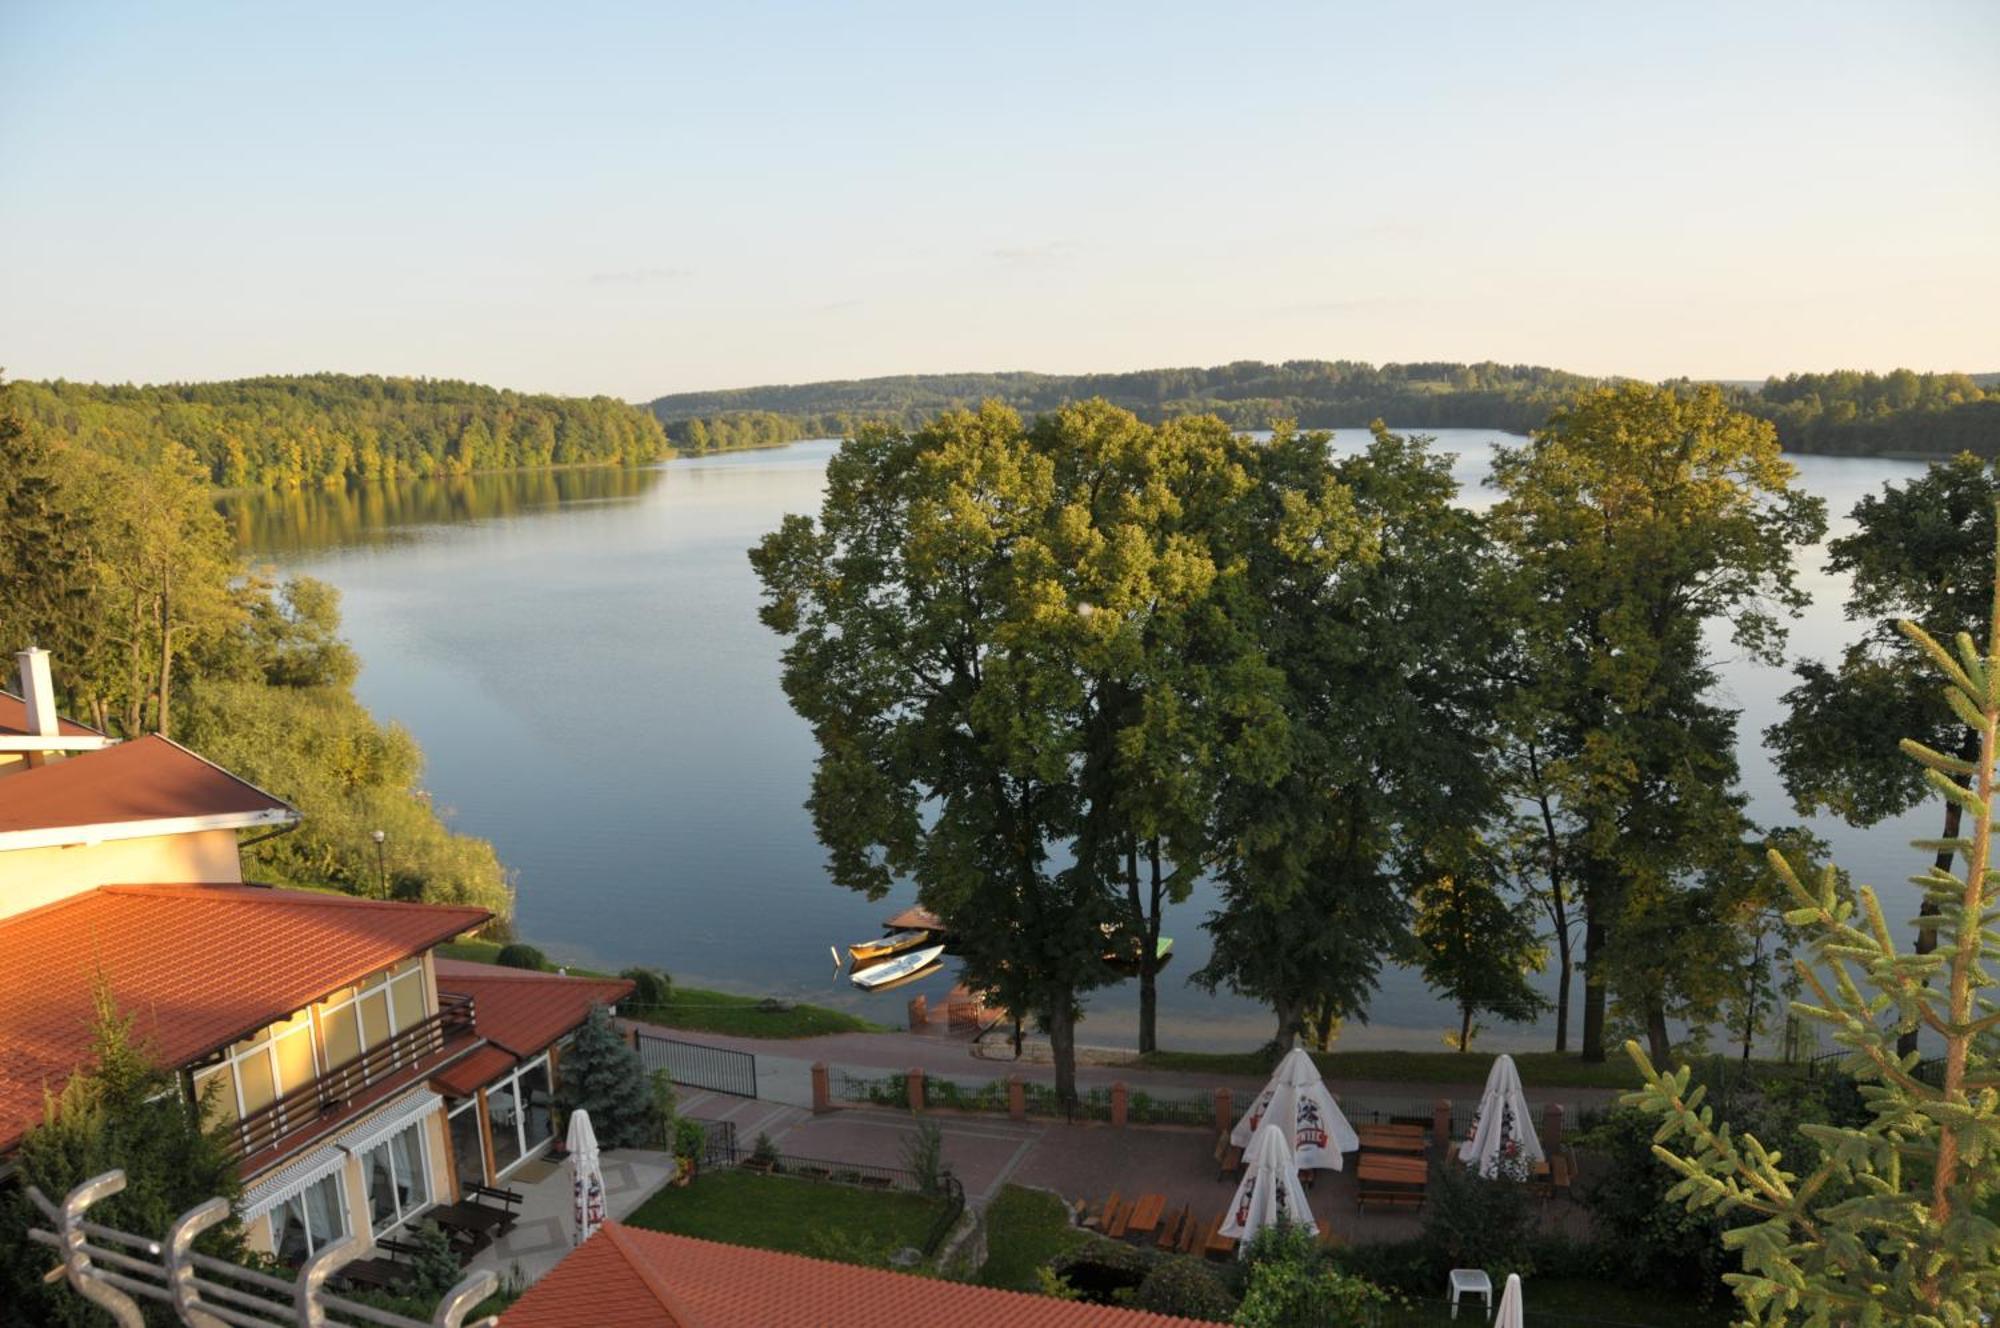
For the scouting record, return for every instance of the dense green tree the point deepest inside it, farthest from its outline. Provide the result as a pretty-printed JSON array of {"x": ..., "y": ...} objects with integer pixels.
[
  {"x": 124, "y": 1112},
  {"x": 1364, "y": 570},
  {"x": 1911, "y": 556},
  {"x": 1475, "y": 945},
  {"x": 1633, "y": 520},
  {"x": 1879, "y": 1222},
  {"x": 603, "y": 1075}
]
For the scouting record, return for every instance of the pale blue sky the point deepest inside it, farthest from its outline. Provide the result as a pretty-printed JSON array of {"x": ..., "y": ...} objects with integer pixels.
[{"x": 644, "y": 198}]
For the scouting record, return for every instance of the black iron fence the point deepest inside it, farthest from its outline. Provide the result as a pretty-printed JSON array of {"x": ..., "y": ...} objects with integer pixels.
[
  {"x": 1141, "y": 1108},
  {"x": 718, "y": 1069}
]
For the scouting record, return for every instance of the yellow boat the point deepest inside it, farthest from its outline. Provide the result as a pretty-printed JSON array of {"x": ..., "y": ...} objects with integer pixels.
[{"x": 868, "y": 952}]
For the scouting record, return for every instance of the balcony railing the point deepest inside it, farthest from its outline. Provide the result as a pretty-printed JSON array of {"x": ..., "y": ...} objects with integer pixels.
[{"x": 347, "y": 1085}]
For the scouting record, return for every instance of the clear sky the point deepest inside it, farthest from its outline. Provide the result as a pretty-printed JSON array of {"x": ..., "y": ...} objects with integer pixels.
[{"x": 636, "y": 199}]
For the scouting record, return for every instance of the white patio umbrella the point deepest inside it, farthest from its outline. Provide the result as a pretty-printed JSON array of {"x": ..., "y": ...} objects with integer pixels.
[
  {"x": 1297, "y": 1101},
  {"x": 586, "y": 1175},
  {"x": 1510, "y": 1312},
  {"x": 1503, "y": 1133},
  {"x": 1269, "y": 1192}
]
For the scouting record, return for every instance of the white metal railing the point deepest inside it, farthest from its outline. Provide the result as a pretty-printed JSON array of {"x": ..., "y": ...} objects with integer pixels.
[{"x": 109, "y": 1268}]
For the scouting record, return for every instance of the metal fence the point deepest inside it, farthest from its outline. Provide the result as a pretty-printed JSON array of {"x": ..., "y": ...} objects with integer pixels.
[{"x": 718, "y": 1069}]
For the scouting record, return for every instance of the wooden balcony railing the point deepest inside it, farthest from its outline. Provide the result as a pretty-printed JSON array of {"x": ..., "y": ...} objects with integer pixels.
[{"x": 347, "y": 1085}]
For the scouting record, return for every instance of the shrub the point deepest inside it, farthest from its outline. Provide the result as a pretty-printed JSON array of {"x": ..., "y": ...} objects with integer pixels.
[
  {"x": 765, "y": 1151},
  {"x": 601, "y": 1074},
  {"x": 1183, "y": 1286},
  {"x": 661, "y": 1085},
  {"x": 1293, "y": 1284},
  {"x": 519, "y": 954},
  {"x": 1100, "y": 1269},
  {"x": 923, "y": 1156},
  {"x": 1473, "y": 1222},
  {"x": 650, "y": 987},
  {"x": 690, "y": 1140},
  {"x": 433, "y": 1267}
]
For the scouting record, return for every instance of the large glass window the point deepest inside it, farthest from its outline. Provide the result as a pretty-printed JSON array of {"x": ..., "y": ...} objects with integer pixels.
[
  {"x": 398, "y": 1177},
  {"x": 317, "y": 1215},
  {"x": 466, "y": 1150},
  {"x": 503, "y": 1110},
  {"x": 537, "y": 1121}
]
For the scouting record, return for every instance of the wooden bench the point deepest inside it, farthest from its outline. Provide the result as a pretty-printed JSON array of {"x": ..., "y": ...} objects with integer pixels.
[
  {"x": 1100, "y": 1216},
  {"x": 1390, "y": 1178},
  {"x": 1120, "y": 1219},
  {"x": 1170, "y": 1230},
  {"x": 1393, "y": 1139},
  {"x": 1214, "y": 1244},
  {"x": 1146, "y": 1212}
]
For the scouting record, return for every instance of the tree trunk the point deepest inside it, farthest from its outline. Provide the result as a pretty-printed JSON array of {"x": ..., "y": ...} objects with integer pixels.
[
  {"x": 1291, "y": 1018},
  {"x": 1927, "y": 912},
  {"x": 1464, "y": 1029},
  {"x": 166, "y": 612},
  {"x": 1062, "y": 1047},
  {"x": 1149, "y": 960},
  {"x": 1656, "y": 1033},
  {"x": 1593, "y": 986},
  {"x": 1558, "y": 903}
]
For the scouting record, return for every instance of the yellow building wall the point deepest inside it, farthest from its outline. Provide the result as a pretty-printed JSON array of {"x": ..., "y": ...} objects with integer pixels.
[{"x": 31, "y": 877}]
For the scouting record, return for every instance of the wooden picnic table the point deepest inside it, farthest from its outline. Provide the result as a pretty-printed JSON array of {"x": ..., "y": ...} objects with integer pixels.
[
  {"x": 1390, "y": 1178},
  {"x": 378, "y": 1274},
  {"x": 1216, "y": 1243},
  {"x": 1393, "y": 1139},
  {"x": 1146, "y": 1213},
  {"x": 476, "y": 1222}
]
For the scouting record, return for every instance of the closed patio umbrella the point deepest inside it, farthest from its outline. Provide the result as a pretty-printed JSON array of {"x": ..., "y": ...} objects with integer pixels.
[
  {"x": 1503, "y": 1133},
  {"x": 1509, "y": 1315},
  {"x": 586, "y": 1176},
  {"x": 1269, "y": 1192},
  {"x": 1297, "y": 1101}
]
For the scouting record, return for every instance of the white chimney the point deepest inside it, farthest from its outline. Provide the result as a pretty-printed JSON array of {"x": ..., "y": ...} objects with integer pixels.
[{"x": 38, "y": 691}]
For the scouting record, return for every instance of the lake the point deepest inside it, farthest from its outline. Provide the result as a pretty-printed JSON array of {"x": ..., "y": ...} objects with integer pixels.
[{"x": 578, "y": 652}]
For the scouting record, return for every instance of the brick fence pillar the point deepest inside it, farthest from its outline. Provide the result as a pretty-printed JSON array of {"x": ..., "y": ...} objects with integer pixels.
[
  {"x": 1225, "y": 1116},
  {"x": 822, "y": 1089},
  {"x": 915, "y": 1081},
  {"x": 1017, "y": 1098},
  {"x": 920, "y": 1013},
  {"x": 1552, "y": 1128},
  {"x": 1118, "y": 1104},
  {"x": 1441, "y": 1123}
]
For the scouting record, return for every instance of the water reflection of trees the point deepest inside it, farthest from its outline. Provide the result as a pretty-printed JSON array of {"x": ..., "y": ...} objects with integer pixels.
[{"x": 307, "y": 520}]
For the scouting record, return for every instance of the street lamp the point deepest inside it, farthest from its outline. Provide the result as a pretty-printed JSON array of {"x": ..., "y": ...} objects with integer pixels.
[{"x": 381, "y": 859}]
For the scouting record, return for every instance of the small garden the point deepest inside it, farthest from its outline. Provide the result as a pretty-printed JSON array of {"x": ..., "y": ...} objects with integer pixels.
[{"x": 771, "y": 1212}]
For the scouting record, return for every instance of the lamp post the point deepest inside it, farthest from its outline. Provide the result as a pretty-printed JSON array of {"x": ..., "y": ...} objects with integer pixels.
[{"x": 381, "y": 860}]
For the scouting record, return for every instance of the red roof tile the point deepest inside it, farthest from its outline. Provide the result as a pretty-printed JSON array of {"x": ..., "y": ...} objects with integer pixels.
[
  {"x": 14, "y": 720},
  {"x": 625, "y": 1277},
  {"x": 148, "y": 779},
  {"x": 522, "y": 1010},
  {"x": 196, "y": 966},
  {"x": 462, "y": 1078}
]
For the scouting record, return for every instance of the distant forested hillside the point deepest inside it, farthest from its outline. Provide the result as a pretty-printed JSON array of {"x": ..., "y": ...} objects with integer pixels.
[
  {"x": 1843, "y": 412},
  {"x": 318, "y": 429}
]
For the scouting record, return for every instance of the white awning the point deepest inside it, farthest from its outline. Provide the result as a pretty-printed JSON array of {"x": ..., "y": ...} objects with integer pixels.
[{"x": 377, "y": 1128}]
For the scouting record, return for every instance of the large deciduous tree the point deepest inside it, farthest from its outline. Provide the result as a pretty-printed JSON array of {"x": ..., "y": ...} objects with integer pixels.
[
  {"x": 1633, "y": 521},
  {"x": 1915, "y": 554},
  {"x": 1366, "y": 574}
]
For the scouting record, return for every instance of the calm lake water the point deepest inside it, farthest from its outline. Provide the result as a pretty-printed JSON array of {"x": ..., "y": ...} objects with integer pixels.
[{"x": 580, "y": 656}]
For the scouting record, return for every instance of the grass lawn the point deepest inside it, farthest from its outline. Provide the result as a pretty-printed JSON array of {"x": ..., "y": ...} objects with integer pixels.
[
  {"x": 799, "y": 1216},
  {"x": 1539, "y": 1069},
  {"x": 1605, "y": 1304},
  {"x": 707, "y": 1011},
  {"x": 1024, "y": 1230}
]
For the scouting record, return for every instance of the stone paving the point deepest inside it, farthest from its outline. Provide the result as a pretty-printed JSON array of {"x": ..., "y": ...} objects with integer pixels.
[{"x": 545, "y": 1230}]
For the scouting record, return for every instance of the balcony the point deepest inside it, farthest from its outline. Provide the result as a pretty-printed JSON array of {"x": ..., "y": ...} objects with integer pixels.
[{"x": 312, "y": 1108}]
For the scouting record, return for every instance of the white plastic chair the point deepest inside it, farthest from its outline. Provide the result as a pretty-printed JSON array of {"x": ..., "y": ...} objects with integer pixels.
[{"x": 1471, "y": 1281}]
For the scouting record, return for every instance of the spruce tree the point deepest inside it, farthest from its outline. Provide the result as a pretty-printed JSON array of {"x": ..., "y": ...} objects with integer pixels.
[
  {"x": 601, "y": 1074},
  {"x": 1885, "y": 1224}
]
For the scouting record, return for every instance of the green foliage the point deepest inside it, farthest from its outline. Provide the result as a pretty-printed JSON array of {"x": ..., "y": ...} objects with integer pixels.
[
  {"x": 603, "y": 1075},
  {"x": 1877, "y": 1222},
  {"x": 650, "y": 987},
  {"x": 323, "y": 429},
  {"x": 519, "y": 954},
  {"x": 923, "y": 1156},
  {"x": 1293, "y": 1284},
  {"x": 1183, "y": 1286},
  {"x": 690, "y": 1140},
  {"x": 349, "y": 776},
  {"x": 1633, "y": 520},
  {"x": 765, "y": 1151},
  {"x": 1660, "y": 1242},
  {"x": 1852, "y": 414},
  {"x": 1025, "y": 1230},
  {"x": 781, "y": 1213},
  {"x": 1473, "y": 1222},
  {"x": 125, "y": 1112},
  {"x": 1476, "y": 946},
  {"x": 665, "y": 1103},
  {"x": 434, "y": 1266}
]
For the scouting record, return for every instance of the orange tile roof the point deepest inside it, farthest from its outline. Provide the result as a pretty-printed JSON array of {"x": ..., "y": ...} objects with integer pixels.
[
  {"x": 523, "y": 1010},
  {"x": 626, "y": 1277},
  {"x": 464, "y": 1077},
  {"x": 196, "y": 966},
  {"x": 14, "y": 720},
  {"x": 147, "y": 779}
]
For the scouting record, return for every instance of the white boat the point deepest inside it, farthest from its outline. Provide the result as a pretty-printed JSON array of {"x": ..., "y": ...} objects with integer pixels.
[{"x": 902, "y": 966}]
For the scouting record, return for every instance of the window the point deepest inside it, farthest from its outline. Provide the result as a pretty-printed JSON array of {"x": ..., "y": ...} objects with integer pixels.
[
  {"x": 398, "y": 1177},
  {"x": 315, "y": 1216},
  {"x": 466, "y": 1150},
  {"x": 518, "y": 1107}
]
